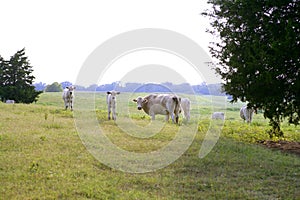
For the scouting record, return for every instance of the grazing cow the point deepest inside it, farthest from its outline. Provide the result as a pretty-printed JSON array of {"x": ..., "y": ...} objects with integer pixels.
[
  {"x": 247, "y": 114},
  {"x": 68, "y": 97},
  {"x": 9, "y": 101},
  {"x": 186, "y": 106},
  {"x": 111, "y": 100},
  {"x": 163, "y": 104},
  {"x": 218, "y": 115}
]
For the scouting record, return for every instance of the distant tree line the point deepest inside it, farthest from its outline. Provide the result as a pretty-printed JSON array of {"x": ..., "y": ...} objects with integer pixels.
[{"x": 204, "y": 89}]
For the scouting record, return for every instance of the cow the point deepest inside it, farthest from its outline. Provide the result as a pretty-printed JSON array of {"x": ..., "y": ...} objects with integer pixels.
[
  {"x": 111, "y": 100},
  {"x": 185, "y": 107},
  {"x": 218, "y": 115},
  {"x": 68, "y": 96},
  {"x": 163, "y": 104},
  {"x": 9, "y": 101},
  {"x": 247, "y": 114}
]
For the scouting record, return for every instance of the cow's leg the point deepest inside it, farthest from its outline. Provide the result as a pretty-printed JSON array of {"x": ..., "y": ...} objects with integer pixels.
[
  {"x": 114, "y": 112},
  {"x": 170, "y": 110},
  {"x": 71, "y": 105},
  {"x": 188, "y": 116},
  {"x": 167, "y": 117},
  {"x": 109, "y": 111},
  {"x": 173, "y": 117},
  {"x": 177, "y": 118},
  {"x": 152, "y": 116},
  {"x": 250, "y": 117},
  {"x": 66, "y": 104}
]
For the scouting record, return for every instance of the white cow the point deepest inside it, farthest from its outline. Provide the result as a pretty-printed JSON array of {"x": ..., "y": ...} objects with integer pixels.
[
  {"x": 163, "y": 104},
  {"x": 111, "y": 100},
  {"x": 68, "y": 97},
  {"x": 185, "y": 107},
  {"x": 247, "y": 113},
  {"x": 9, "y": 101},
  {"x": 218, "y": 115}
]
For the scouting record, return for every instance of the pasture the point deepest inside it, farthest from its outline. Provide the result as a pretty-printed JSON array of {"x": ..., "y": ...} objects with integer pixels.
[{"x": 42, "y": 156}]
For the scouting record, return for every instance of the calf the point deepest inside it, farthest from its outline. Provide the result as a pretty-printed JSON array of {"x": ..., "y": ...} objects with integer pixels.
[
  {"x": 247, "y": 114},
  {"x": 111, "y": 99},
  {"x": 163, "y": 104},
  {"x": 9, "y": 101},
  {"x": 218, "y": 115},
  {"x": 68, "y": 97},
  {"x": 185, "y": 107}
]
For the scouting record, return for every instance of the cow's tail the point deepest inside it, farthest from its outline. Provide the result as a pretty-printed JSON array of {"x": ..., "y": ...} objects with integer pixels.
[
  {"x": 176, "y": 100},
  {"x": 177, "y": 107}
]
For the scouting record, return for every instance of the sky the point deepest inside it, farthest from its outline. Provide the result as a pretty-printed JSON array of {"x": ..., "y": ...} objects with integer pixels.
[{"x": 60, "y": 35}]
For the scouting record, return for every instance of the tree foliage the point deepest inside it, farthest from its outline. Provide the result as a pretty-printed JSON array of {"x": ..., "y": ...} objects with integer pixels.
[
  {"x": 258, "y": 53},
  {"x": 54, "y": 87},
  {"x": 16, "y": 79},
  {"x": 65, "y": 84}
]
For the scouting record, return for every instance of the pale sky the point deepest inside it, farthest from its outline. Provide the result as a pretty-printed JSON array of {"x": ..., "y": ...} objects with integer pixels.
[{"x": 60, "y": 35}]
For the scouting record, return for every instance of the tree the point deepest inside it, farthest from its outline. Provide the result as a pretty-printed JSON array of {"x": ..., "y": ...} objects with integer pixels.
[
  {"x": 54, "y": 87},
  {"x": 16, "y": 79},
  {"x": 65, "y": 84},
  {"x": 258, "y": 54},
  {"x": 40, "y": 86}
]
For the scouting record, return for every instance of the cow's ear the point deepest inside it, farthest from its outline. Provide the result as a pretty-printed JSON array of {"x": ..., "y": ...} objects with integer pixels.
[
  {"x": 67, "y": 87},
  {"x": 134, "y": 100},
  {"x": 145, "y": 101},
  {"x": 118, "y": 92},
  {"x": 108, "y": 92}
]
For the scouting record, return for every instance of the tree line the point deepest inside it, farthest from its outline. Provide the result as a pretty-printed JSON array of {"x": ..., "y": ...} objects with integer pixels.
[{"x": 203, "y": 89}]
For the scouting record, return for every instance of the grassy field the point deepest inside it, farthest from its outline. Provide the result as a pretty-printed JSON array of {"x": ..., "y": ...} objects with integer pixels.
[{"x": 42, "y": 156}]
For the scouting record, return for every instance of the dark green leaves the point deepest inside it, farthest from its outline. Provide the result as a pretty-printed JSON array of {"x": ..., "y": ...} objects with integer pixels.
[
  {"x": 16, "y": 79},
  {"x": 258, "y": 54}
]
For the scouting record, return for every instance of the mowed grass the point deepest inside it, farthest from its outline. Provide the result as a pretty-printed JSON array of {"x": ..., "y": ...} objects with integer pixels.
[{"x": 42, "y": 155}]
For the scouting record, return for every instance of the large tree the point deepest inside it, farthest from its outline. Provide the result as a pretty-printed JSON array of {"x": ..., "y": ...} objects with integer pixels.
[
  {"x": 16, "y": 79},
  {"x": 258, "y": 52}
]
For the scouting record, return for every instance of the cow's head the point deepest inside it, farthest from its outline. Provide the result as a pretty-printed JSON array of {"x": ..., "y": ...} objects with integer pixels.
[
  {"x": 71, "y": 89},
  {"x": 113, "y": 94},
  {"x": 140, "y": 101}
]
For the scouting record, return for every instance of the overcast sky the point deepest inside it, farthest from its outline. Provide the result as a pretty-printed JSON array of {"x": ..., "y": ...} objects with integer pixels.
[{"x": 60, "y": 35}]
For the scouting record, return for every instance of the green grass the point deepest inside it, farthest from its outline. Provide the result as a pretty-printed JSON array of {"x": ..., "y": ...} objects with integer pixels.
[{"x": 43, "y": 157}]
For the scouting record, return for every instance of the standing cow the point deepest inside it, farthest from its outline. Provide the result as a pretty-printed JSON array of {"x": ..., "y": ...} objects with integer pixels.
[
  {"x": 163, "y": 104},
  {"x": 247, "y": 114},
  {"x": 68, "y": 97},
  {"x": 185, "y": 107},
  {"x": 111, "y": 100}
]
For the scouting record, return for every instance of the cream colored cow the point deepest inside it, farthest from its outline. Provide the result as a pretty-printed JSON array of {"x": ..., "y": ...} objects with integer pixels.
[
  {"x": 111, "y": 100},
  {"x": 162, "y": 104}
]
